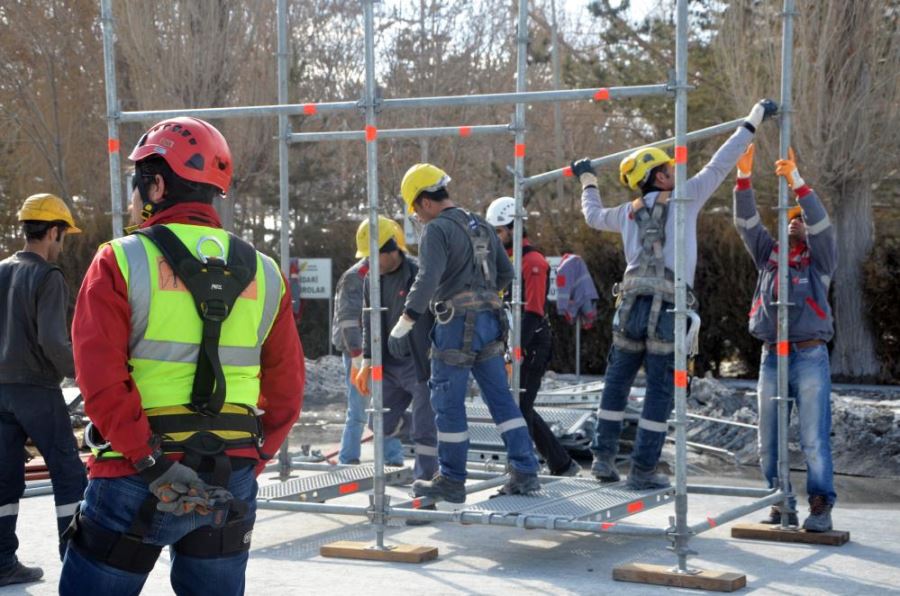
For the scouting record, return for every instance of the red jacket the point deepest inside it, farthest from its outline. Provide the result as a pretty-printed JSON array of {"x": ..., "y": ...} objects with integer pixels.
[
  {"x": 100, "y": 332},
  {"x": 534, "y": 278}
]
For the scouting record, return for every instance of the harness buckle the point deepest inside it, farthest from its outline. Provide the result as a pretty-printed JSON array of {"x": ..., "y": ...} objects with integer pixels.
[
  {"x": 214, "y": 310},
  {"x": 206, "y": 258},
  {"x": 443, "y": 312}
]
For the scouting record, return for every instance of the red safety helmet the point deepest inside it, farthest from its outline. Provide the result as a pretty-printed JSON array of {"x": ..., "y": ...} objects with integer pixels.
[{"x": 193, "y": 148}]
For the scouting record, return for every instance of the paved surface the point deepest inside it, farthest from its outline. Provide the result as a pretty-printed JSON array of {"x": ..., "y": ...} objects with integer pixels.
[{"x": 492, "y": 560}]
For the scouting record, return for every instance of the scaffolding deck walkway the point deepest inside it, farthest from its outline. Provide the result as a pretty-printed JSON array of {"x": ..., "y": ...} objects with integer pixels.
[{"x": 330, "y": 485}]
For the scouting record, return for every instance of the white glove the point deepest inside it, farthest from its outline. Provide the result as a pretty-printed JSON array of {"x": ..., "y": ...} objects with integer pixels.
[
  {"x": 763, "y": 109},
  {"x": 357, "y": 362},
  {"x": 403, "y": 327}
]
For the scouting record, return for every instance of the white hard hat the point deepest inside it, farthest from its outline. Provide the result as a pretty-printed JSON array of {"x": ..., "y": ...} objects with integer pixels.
[{"x": 501, "y": 211}]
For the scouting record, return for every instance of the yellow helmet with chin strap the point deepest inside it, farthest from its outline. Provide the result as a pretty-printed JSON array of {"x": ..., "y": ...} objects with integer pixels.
[
  {"x": 387, "y": 229},
  {"x": 48, "y": 207},
  {"x": 420, "y": 178},
  {"x": 635, "y": 168}
]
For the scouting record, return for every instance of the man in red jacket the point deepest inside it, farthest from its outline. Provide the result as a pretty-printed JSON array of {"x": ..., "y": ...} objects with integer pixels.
[{"x": 192, "y": 374}]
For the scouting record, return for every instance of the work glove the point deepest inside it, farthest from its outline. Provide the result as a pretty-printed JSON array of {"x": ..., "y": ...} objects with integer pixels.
[
  {"x": 179, "y": 489},
  {"x": 585, "y": 172},
  {"x": 764, "y": 108},
  {"x": 399, "y": 347},
  {"x": 355, "y": 366},
  {"x": 788, "y": 169},
  {"x": 745, "y": 163},
  {"x": 360, "y": 380}
]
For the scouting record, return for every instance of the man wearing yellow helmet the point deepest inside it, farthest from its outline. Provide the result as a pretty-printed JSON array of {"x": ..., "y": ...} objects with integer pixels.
[
  {"x": 644, "y": 325},
  {"x": 462, "y": 267},
  {"x": 35, "y": 355}
]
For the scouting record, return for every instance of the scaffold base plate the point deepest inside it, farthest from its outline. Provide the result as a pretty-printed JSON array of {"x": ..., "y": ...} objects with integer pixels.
[
  {"x": 776, "y": 534},
  {"x": 330, "y": 485},
  {"x": 399, "y": 553},
  {"x": 660, "y": 575},
  {"x": 577, "y": 499}
]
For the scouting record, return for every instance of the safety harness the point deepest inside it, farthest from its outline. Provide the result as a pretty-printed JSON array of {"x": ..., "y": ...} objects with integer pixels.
[
  {"x": 650, "y": 278},
  {"x": 482, "y": 295},
  {"x": 202, "y": 430}
]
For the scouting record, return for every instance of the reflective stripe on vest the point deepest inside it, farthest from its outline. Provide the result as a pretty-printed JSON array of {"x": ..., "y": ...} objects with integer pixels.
[{"x": 166, "y": 329}]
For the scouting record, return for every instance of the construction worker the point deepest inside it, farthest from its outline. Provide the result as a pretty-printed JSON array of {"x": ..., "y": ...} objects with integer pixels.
[
  {"x": 35, "y": 355},
  {"x": 192, "y": 374},
  {"x": 403, "y": 378},
  {"x": 644, "y": 324},
  {"x": 537, "y": 338},
  {"x": 812, "y": 259},
  {"x": 346, "y": 336},
  {"x": 462, "y": 267}
]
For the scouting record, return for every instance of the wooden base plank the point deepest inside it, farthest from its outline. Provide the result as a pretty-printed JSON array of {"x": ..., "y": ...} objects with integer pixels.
[
  {"x": 399, "y": 553},
  {"x": 776, "y": 534},
  {"x": 660, "y": 575}
]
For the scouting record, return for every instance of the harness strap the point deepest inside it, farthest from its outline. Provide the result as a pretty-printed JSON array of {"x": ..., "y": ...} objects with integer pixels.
[
  {"x": 465, "y": 356},
  {"x": 215, "y": 284},
  {"x": 209, "y": 542},
  {"x": 126, "y": 551}
]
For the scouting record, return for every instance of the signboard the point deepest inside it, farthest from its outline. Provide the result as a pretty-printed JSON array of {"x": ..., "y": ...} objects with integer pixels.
[
  {"x": 313, "y": 277},
  {"x": 551, "y": 291}
]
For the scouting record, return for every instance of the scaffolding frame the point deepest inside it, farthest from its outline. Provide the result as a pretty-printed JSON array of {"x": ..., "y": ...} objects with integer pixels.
[{"x": 379, "y": 509}]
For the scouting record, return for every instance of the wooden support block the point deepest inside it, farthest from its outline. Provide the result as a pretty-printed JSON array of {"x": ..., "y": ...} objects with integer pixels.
[
  {"x": 399, "y": 553},
  {"x": 776, "y": 534},
  {"x": 660, "y": 575}
]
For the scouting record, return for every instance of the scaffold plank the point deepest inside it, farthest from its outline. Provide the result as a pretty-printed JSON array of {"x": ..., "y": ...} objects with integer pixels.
[
  {"x": 775, "y": 533},
  {"x": 717, "y": 581},
  {"x": 399, "y": 553},
  {"x": 322, "y": 487}
]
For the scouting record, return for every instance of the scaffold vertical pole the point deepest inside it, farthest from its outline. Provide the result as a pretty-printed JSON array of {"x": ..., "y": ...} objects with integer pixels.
[
  {"x": 369, "y": 99},
  {"x": 284, "y": 457},
  {"x": 112, "y": 117},
  {"x": 682, "y": 534},
  {"x": 519, "y": 194},
  {"x": 783, "y": 347}
]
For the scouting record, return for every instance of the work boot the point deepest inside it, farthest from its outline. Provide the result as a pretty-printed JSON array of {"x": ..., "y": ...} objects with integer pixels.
[
  {"x": 573, "y": 469},
  {"x": 819, "y": 519},
  {"x": 20, "y": 574},
  {"x": 520, "y": 483},
  {"x": 646, "y": 479},
  {"x": 421, "y": 522},
  {"x": 775, "y": 517},
  {"x": 441, "y": 488},
  {"x": 604, "y": 469}
]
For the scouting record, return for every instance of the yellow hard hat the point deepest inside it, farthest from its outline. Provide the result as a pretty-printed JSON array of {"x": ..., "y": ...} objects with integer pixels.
[
  {"x": 47, "y": 207},
  {"x": 387, "y": 229},
  {"x": 419, "y": 178},
  {"x": 634, "y": 168},
  {"x": 794, "y": 212}
]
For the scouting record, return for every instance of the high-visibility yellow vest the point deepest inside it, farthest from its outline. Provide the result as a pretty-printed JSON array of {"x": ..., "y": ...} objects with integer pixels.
[{"x": 166, "y": 329}]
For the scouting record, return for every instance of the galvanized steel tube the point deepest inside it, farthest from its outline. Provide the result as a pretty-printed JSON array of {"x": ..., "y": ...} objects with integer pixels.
[
  {"x": 733, "y": 514},
  {"x": 402, "y": 133},
  {"x": 112, "y": 118}
]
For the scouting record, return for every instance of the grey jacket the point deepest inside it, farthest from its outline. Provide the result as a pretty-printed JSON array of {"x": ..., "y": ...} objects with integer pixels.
[
  {"x": 34, "y": 339},
  {"x": 810, "y": 315},
  {"x": 345, "y": 325},
  {"x": 698, "y": 190},
  {"x": 446, "y": 263}
]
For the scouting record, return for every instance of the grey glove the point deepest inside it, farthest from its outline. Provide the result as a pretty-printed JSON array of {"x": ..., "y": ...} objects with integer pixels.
[
  {"x": 181, "y": 491},
  {"x": 399, "y": 346},
  {"x": 584, "y": 171}
]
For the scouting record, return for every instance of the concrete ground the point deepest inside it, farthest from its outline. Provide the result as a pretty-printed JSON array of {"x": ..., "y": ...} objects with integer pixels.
[{"x": 490, "y": 560}]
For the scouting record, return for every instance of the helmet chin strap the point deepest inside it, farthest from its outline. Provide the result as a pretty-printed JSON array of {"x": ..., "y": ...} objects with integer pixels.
[{"x": 148, "y": 207}]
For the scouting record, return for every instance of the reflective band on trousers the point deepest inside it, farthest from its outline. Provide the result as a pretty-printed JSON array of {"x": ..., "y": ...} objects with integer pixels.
[
  {"x": 67, "y": 510},
  {"x": 657, "y": 427},
  {"x": 7, "y": 510},
  {"x": 453, "y": 437},
  {"x": 511, "y": 424},
  {"x": 610, "y": 415},
  {"x": 426, "y": 450}
]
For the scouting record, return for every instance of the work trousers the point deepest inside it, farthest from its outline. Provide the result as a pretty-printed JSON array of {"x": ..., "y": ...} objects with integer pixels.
[
  {"x": 448, "y": 386},
  {"x": 400, "y": 389},
  {"x": 39, "y": 413},
  {"x": 356, "y": 424},
  {"x": 622, "y": 367}
]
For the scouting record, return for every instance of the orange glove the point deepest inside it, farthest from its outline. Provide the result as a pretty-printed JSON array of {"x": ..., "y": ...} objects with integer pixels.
[
  {"x": 788, "y": 169},
  {"x": 509, "y": 371},
  {"x": 361, "y": 378},
  {"x": 745, "y": 163}
]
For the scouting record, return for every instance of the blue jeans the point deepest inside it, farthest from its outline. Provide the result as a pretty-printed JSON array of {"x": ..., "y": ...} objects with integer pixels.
[
  {"x": 356, "y": 424},
  {"x": 809, "y": 383},
  {"x": 113, "y": 504},
  {"x": 448, "y": 385},
  {"x": 622, "y": 367}
]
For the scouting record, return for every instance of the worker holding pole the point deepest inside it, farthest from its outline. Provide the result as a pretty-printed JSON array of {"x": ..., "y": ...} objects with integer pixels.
[
  {"x": 462, "y": 267},
  {"x": 643, "y": 326},
  {"x": 812, "y": 259}
]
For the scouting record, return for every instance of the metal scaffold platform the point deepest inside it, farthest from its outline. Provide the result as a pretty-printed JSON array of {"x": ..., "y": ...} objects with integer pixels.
[{"x": 331, "y": 485}]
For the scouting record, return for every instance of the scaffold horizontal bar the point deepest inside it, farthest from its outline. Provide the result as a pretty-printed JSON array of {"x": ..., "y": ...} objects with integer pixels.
[
  {"x": 733, "y": 514},
  {"x": 729, "y": 491},
  {"x": 240, "y": 112},
  {"x": 615, "y": 158},
  {"x": 527, "y": 97},
  {"x": 401, "y": 133}
]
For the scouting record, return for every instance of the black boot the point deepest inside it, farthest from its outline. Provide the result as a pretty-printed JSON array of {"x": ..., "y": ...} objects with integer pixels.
[
  {"x": 775, "y": 517},
  {"x": 819, "y": 519},
  {"x": 639, "y": 479},
  {"x": 520, "y": 483},
  {"x": 20, "y": 574},
  {"x": 441, "y": 488}
]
